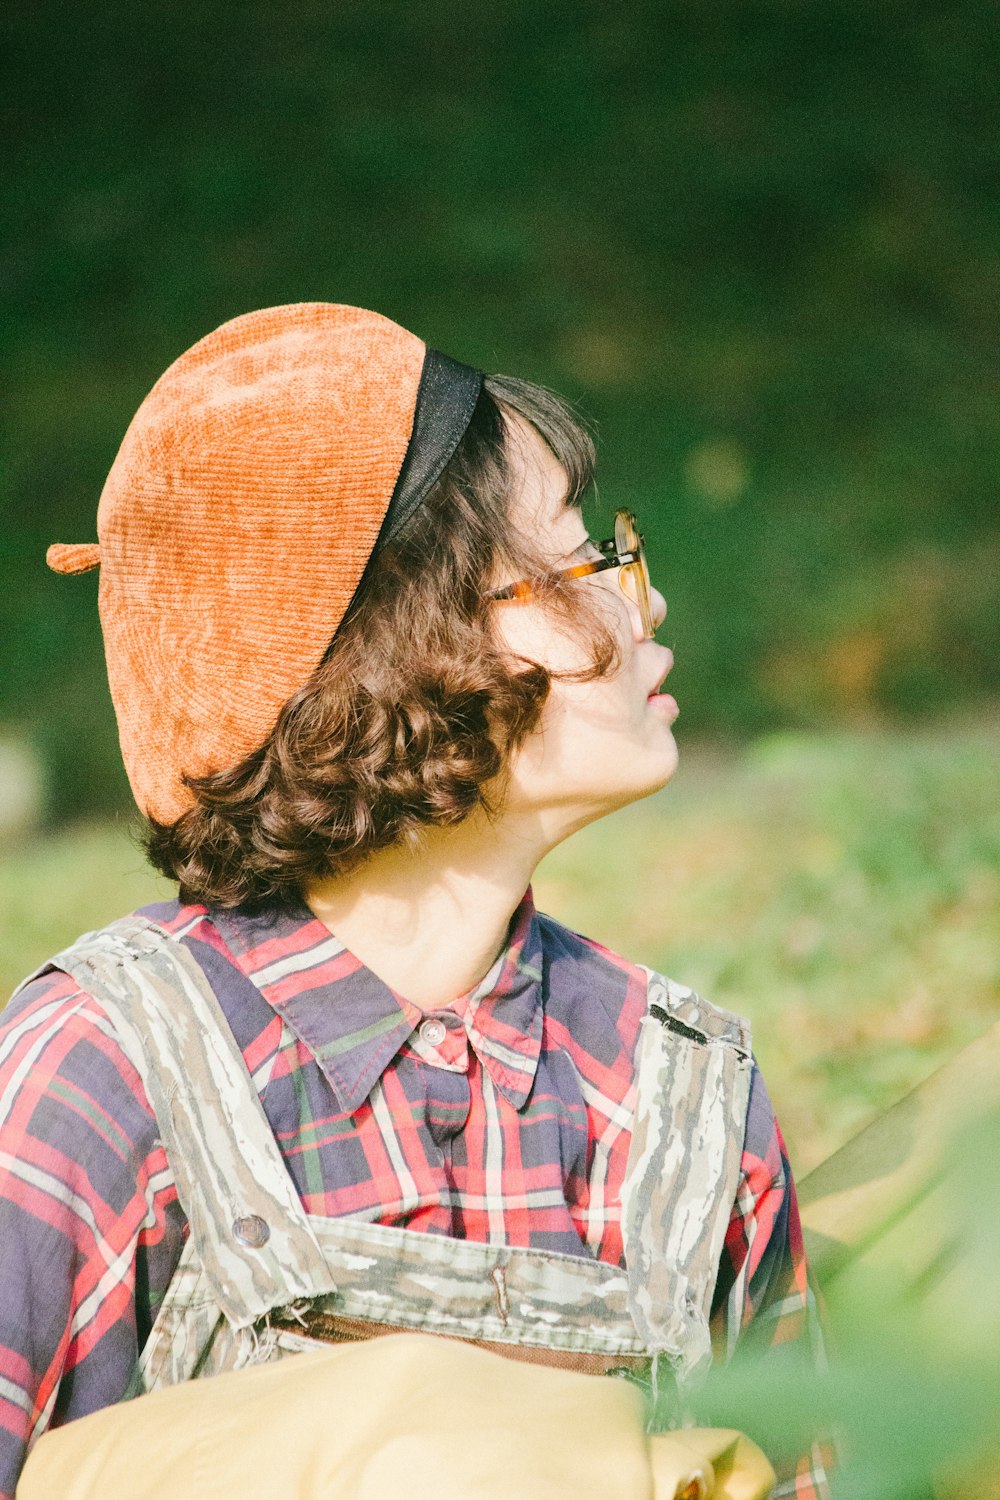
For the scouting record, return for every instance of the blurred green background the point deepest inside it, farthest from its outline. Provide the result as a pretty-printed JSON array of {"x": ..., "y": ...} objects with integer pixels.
[{"x": 753, "y": 241}]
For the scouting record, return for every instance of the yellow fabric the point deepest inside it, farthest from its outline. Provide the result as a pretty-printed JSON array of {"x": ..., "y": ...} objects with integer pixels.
[
  {"x": 408, "y": 1415},
  {"x": 735, "y": 1468}
]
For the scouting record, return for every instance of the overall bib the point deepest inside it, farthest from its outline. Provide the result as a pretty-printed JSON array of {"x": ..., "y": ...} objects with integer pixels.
[{"x": 259, "y": 1278}]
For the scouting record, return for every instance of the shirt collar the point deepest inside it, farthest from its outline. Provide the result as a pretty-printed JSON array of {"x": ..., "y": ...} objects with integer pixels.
[{"x": 353, "y": 1024}]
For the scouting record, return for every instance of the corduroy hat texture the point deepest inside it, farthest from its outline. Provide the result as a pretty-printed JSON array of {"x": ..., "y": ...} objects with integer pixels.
[{"x": 247, "y": 497}]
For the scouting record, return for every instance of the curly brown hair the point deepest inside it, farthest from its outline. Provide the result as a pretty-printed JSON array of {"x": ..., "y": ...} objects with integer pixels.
[{"x": 411, "y": 717}]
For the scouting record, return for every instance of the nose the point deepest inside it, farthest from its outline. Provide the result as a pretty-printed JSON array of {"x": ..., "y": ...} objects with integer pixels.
[{"x": 659, "y": 610}]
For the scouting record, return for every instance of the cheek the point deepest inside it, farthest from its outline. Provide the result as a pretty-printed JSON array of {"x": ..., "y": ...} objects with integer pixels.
[
  {"x": 525, "y": 630},
  {"x": 529, "y": 630},
  {"x": 596, "y": 714},
  {"x": 597, "y": 747},
  {"x": 580, "y": 720},
  {"x": 597, "y": 744}
]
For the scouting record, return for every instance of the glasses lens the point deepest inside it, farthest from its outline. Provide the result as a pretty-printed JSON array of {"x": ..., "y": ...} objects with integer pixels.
[{"x": 635, "y": 575}]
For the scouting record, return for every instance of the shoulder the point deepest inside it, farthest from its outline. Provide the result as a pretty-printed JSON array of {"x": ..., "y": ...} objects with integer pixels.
[
  {"x": 583, "y": 972},
  {"x": 62, "y": 1067},
  {"x": 622, "y": 993},
  {"x": 51, "y": 999},
  {"x": 56, "y": 1023},
  {"x": 687, "y": 1013},
  {"x": 190, "y": 926}
]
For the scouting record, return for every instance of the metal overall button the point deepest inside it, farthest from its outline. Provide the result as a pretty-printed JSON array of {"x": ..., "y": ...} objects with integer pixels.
[{"x": 252, "y": 1231}]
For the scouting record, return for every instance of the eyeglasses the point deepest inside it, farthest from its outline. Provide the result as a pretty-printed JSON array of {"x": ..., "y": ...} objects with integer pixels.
[{"x": 625, "y": 551}]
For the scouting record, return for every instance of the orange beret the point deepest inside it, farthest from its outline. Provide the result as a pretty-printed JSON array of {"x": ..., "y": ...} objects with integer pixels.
[{"x": 239, "y": 515}]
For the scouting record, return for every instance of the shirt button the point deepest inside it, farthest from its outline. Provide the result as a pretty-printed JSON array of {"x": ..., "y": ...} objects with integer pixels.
[
  {"x": 433, "y": 1033},
  {"x": 252, "y": 1231}
]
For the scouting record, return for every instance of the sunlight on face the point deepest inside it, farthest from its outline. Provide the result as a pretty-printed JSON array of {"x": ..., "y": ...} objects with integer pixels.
[{"x": 602, "y": 744}]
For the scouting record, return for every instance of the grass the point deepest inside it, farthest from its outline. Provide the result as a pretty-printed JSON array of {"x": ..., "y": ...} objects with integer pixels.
[{"x": 840, "y": 890}]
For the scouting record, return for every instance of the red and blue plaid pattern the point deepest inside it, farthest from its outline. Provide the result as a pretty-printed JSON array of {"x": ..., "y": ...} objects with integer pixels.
[{"x": 503, "y": 1118}]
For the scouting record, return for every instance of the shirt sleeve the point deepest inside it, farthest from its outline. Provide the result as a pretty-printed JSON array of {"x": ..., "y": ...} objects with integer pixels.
[
  {"x": 765, "y": 1305},
  {"x": 90, "y": 1228}
]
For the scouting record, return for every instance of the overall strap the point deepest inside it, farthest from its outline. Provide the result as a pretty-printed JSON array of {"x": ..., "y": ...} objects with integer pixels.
[
  {"x": 248, "y": 1227},
  {"x": 693, "y": 1074}
]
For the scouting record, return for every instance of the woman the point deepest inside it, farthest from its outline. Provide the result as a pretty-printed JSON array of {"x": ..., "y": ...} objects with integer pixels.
[{"x": 369, "y": 668}]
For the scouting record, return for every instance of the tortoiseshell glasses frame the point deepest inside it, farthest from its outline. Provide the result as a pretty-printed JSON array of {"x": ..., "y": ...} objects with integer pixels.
[{"x": 625, "y": 551}]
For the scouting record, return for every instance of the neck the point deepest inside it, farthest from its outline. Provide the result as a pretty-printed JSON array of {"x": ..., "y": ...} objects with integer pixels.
[{"x": 430, "y": 921}]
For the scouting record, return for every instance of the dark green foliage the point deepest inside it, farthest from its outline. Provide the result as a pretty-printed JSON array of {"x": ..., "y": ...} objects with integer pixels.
[{"x": 751, "y": 238}]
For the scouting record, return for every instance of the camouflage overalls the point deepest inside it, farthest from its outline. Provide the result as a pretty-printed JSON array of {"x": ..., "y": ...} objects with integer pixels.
[{"x": 259, "y": 1278}]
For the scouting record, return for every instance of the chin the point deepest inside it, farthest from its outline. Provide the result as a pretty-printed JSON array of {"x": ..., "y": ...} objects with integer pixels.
[
  {"x": 651, "y": 776},
  {"x": 663, "y": 770},
  {"x": 657, "y": 784}
]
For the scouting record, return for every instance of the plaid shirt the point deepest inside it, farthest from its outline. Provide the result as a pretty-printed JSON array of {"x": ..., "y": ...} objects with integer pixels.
[{"x": 503, "y": 1118}]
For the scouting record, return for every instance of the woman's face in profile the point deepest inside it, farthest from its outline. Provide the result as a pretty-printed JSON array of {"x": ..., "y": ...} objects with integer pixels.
[{"x": 599, "y": 745}]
